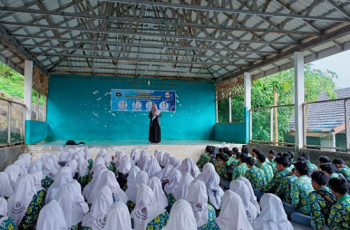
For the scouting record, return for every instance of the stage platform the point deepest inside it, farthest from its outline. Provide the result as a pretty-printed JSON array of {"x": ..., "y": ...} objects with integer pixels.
[{"x": 178, "y": 148}]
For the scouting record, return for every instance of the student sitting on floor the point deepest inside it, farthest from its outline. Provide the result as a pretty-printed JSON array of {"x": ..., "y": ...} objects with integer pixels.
[
  {"x": 6, "y": 222},
  {"x": 156, "y": 185},
  {"x": 51, "y": 215},
  {"x": 342, "y": 168},
  {"x": 6, "y": 189},
  {"x": 321, "y": 200},
  {"x": 245, "y": 149},
  {"x": 272, "y": 156},
  {"x": 242, "y": 168},
  {"x": 204, "y": 158},
  {"x": 254, "y": 154},
  {"x": 171, "y": 183},
  {"x": 214, "y": 191},
  {"x": 118, "y": 217},
  {"x": 312, "y": 167},
  {"x": 221, "y": 166},
  {"x": 330, "y": 169},
  {"x": 323, "y": 160},
  {"x": 255, "y": 175},
  {"x": 181, "y": 217},
  {"x": 285, "y": 188},
  {"x": 233, "y": 160},
  {"x": 265, "y": 166},
  {"x": 340, "y": 212}
]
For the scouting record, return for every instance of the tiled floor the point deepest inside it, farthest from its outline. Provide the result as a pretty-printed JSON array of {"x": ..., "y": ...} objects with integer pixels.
[{"x": 299, "y": 227}]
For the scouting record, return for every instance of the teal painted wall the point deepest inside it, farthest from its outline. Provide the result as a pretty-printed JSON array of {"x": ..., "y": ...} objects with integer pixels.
[
  {"x": 36, "y": 131},
  {"x": 79, "y": 109}
]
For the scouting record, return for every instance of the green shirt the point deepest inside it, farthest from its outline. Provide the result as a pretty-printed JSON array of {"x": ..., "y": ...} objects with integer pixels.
[
  {"x": 284, "y": 189},
  {"x": 276, "y": 180},
  {"x": 267, "y": 171},
  {"x": 345, "y": 171},
  {"x": 204, "y": 158},
  {"x": 256, "y": 177},
  {"x": 222, "y": 171},
  {"x": 340, "y": 214},
  {"x": 301, "y": 188},
  {"x": 239, "y": 171},
  {"x": 312, "y": 167}
]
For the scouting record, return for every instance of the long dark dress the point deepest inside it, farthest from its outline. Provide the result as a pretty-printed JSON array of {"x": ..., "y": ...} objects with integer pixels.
[{"x": 154, "y": 129}]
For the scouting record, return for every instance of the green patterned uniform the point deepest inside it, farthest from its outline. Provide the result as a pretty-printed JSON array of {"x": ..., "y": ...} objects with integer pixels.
[
  {"x": 157, "y": 223},
  {"x": 285, "y": 188},
  {"x": 32, "y": 213},
  {"x": 239, "y": 171},
  {"x": 91, "y": 163},
  {"x": 46, "y": 182},
  {"x": 232, "y": 161},
  {"x": 130, "y": 205},
  {"x": 8, "y": 224},
  {"x": 276, "y": 180},
  {"x": 203, "y": 159},
  {"x": 301, "y": 188},
  {"x": 256, "y": 177},
  {"x": 211, "y": 225},
  {"x": 319, "y": 207},
  {"x": 222, "y": 171},
  {"x": 345, "y": 171},
  {"x": 83, "y": 181},
  {"x": 312, "y": 166},
  {"x": 171, "y": 201},
  {"x": 340, "y": 214},
  {"x": 111, "y": 167},
  {"x": 266, "y": 167}
]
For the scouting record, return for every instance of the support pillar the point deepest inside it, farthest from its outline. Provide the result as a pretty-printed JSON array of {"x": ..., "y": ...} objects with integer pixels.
[
  {"x": 299, "y": 99},
  {"x": 247, "y": 106},
  {"x": 28, "y": 84}
]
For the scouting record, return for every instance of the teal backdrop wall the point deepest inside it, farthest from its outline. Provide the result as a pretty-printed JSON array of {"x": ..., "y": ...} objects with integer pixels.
[
  {"x": 79, "y": 108},
  {"x": 36, "y": 131}
]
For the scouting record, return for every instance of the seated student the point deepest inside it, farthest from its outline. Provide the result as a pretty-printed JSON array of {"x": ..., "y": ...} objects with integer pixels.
[
  {"x": 156, "y": 185},
  {"x": 6, "y": 222},
  {"x": 242, "y": 168},
  {"x": 272, "y": 156},
  {"x": 98, "y": 171},
  {"x": 254, "y": 155},
  {"x": 301, "y": 188},
  {"x": 220, "y": 167},
  {"x": 340, "y": 212},
  {"x": 189, "y": 166},
  {"x": 49, "y": 170},
  {"x": 229, "y": 157},
  {"x": 330, "y": 169},
  {"x": 245, "y": 149},
  {"x": 124, "y": 168},
  {"x": 118, "y": 217},
  {"x": 233, "y": 159},
  {"x": 323, "y": 160},
  {"x": 134, "y": 156},
  {"x": 51, "y": 215},
  {"x": 13, "y": 172},
  {"x": 83, "y": 172},
  {"x": 214, "y": 191},
  {"x": 181, "y": 191},
  {"x": 131, "y": 176},
  {"x": 312, "y": 167},
  {"x": 148, "y": 213},
  {"x": 6, "y": 189},
  {"x": 131, "y": 192},
  {"x": 171, "y": 183},
  {"x": 255, "y": 175},
  {"x": 198, "y": 198},
  {"x": 87, "y": 156},
  {"x": 60, "y": 180},
  {"x": 342, "y": 168},
  {"x": 321, "y": 200},
  {"x": 265, "y": 166},
  {"x": 181, "y": 217},
  {"x": 35, "y": 166},
  {"x": 285, "y": 188},
  {"x": 252, "y": 196}
]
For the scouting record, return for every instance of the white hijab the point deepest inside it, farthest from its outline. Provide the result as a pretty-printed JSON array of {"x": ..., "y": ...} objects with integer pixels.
[
  {"x": 18, "y": 203},
  {"x": 143, "y": 161},
  {"x": 124, "y": 165},
  {"x": 27, "y": 159},
  {"x": 252, "y": 196},
  {"x": 134, "y": 156},
  {"x": 117, "y": 158},
  {"x": 3, "y": 209},
  {"x": 83, "y": 167},
  {"x": 35, "y": 166},
  {"x": 87, "y": 154},
  {"x": 95, "y": 179},
  {"x": 60, "y": 180},
  {"x": 108, "y": 179},
  {"x": 242, "y": 190},
  {"x": 77, "y": 155},
  {"x": 96, "y": 218},
  {"x": 49, "y": 167},
  {"x": 153, "y": 167},
  {"x": 181, "y": 217},
  {"x": 174, "y": 179},
  {"x": 132, "y": 175},
  {"x": 72, "y": 203},
  {"x": 189, "y": 166},
  {"x": 165, "y": 159},
  {"x": 51, "y": 217},
  {"x": 156, "y": 152},
  {"x": 64, "y": 169},
  {"x": 22, "y": 165},
  {"x": 118, "y": 217},
  {"x": 55, "y": 160},
  {"x": 101, "y": 153},
  {"x": 173, "y": 161},
  {"x": 38, "y": 176},
  {"x": 73, "y": 164},
  {"x": 207, "y": 168},
  {"x": 13, "y": 173},
  {"x": 160, "y": 157},
  {"x": 131, "y": 192},
  {"x": 233, "y": 215},
  {"x": 44, "y": 157},
  {"x": 272, "y": 215},
  {"x": 214, "y": 191},
  {"x": 181, "y": 190},
  {"x": 64, "y": 156},
  {"x": 6, "y": 189},
  {"x": 198, "y": 199},
  {"x": 99, "y": 161},
  {"x": 164, "y": 173},
  {"x": 156, "y": 186},
  {"x": 146, "y": 208}
]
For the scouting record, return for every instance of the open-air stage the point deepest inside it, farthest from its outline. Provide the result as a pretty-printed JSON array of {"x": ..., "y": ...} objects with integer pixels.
[{"x": 178, "y": 148}]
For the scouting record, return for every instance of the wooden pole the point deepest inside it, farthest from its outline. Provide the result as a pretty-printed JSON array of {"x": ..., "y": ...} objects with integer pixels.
[{"x": 276, "y": 113}]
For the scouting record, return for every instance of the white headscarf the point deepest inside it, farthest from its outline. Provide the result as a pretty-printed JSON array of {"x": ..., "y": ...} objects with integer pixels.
[
  {"x": 164, "y": 173},
  {"x": 165, "y": 159},
  {"x": 141, "y": 178},
  {"x": 101, "y": 153},
  {"x": 118, "y": 217},
  {"x": 6, "y": 189},
  {"x": 117, "y": 159},
  {"x": 64, "y": 156},
  {"x": 22, "y": 165},
  {"x": 64, "y": 169},
  {"x": 214, "y": 191},
  {"x": 43, "y": 158},
  {"x": 27, "y": 159},
  {"x": 72, "y": 203},
  {"x": 156, "y": 152},
  {"x": 181, "y": 190},
  {"x": 174, "y": 179},
  {"x": 49, "y": 167},
  {"x": 98, "y": 161},
  {"x": 146, "y": 208},
  {"x": 77, "y": 155},
  {"x": 51, "y": 217},
  {"x": 13, "y": 173},
  {"x": 124, "y": 165},
  {"x": 87, "y": 154},
  {"x": 3, "y": 209},
  {"x": 153, "y": 166},
  {"x": 83, "y": 167},
  {"x": 132, "y": 175},
  {"x": 160, "y": 157},
  {"x": 60, "y": 180},
  {"x": 242, "y": 190},
  {"x": 55, "y": 160},
  {"x": 35, "y": 166},
  {"x": 143, "y": 161},
  {"x": 108, "y": 179},
  {"x": 105, "y": 156},
  {"x": 233, "y": 215},
  {"x": 95, "y": 179},
  {"x": 207, "y": 168},
  {"x": 272, "y": 215},
  {"x": 38, "y": 176},
  {"x": 18, "y": 203},
  {"x": 189, "y": 166},
  {"x": 156, "y": 186},
  {"x": 252, "y": 196},
  {"x": 181, "y": 217},
  {"x": 173, "y": 161},
  {"x": 96, "y": 218},
  {"x": 198, "y": 199},
  {"x": 73, "y": 164},
  {"x": 134, "y": 156}
]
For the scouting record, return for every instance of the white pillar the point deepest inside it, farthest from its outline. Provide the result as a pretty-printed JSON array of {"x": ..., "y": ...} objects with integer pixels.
[
  {"x": 230, "y": 109},
  {"x": 247, "y": 105},
  {"x": 299, "y": 99},
  {"x": 28, "y": 82}
]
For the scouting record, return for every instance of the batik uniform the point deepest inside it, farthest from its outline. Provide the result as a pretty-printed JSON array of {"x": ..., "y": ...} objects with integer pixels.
[
  {"x": 111, "y": 167},
  {"x": 31, "y": 216},
  {"x": 345, "y": 171},
  {"x": 312, "y": 167},
  {"x": 256, "y": 177},
  {"x": 8, "y": 224},
  {"x": 157, "y": 223},
  {"x": 222, "y": 171},
  {"x": 211, "y": 225},
  {"x": 340, "y": 214},
  {"x": 276, "y": 180},
  {"x": 285, "y": 188},
  {"x": 46, "y": 182},
  {"x": 320, "y": 207},
  {"x": 83, "y": 181},
  {"x": 203, "y": 160},
  {"x": 130, "y": 205},
  {"x": 91, "y": 163},
  {"x": 232, "y": 161},
  {"x": 216, "y": 163},
  {"x": 171, "y": 201},
  {"x": 267, "y": 171},
  {"x": 239, "y": 171},
  {"x": 77, "y": 227},
  {"x": 335, "y": 175},
  {"x": 301, "y": 188}
]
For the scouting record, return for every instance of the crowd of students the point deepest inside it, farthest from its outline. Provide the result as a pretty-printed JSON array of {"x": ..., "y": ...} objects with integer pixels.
[{"x": 312, "y": 196}]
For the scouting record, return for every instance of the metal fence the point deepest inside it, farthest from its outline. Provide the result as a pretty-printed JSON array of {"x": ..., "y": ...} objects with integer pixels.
[
  {"x": 12, "y": 122},
  {"x": 326, "y": 125}
]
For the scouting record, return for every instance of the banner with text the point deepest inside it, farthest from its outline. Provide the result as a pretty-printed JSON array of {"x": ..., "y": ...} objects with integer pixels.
[{"x": 142, "y": 100}]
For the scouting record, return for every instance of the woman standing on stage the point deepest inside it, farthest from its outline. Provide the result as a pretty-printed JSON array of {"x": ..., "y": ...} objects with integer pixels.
[{"x": 154, "y": 128}]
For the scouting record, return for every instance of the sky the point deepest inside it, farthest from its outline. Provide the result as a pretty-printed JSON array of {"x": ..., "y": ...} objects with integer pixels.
[{"x": 338, "y": 63}]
